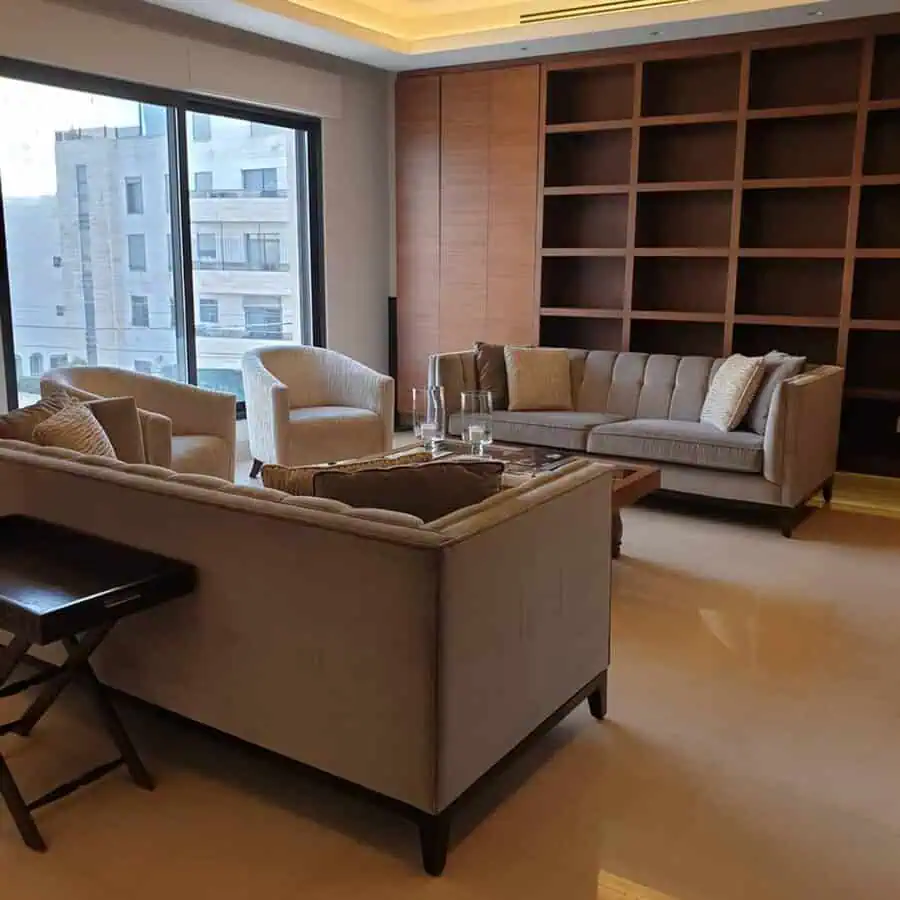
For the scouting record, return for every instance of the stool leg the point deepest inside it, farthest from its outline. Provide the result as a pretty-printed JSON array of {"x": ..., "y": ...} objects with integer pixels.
[{"x": 19, "y": 810}]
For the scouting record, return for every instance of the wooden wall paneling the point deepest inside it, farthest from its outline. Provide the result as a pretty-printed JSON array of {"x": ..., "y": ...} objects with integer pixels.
[
  {"x": 734, "y": 260},
  {"x": 418, "y": 117},
  {"x": 514, "y": 134},
  {"x": 859, "y": 156},
  {"x": 465, "y": 198}
]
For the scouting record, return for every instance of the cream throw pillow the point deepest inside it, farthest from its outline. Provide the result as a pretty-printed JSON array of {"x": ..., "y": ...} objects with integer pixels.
[
  {"x": 538, "y": 378},
  {"x": 732, "y": 391},
  {"x": 76, "y": 428}
]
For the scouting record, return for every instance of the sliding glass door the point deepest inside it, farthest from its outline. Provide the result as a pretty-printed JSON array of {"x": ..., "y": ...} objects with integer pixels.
[{"x": 166, "y": 237}]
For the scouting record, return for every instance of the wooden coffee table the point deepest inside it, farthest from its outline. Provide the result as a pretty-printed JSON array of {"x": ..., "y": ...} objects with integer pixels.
[{"x": 631, "y": 481}]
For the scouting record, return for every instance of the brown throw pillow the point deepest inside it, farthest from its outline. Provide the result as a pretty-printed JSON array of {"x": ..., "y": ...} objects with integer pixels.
[
  {"x": 19, "y": 424},
  {"x": 75, "y": 428},
  {"x": 118, "y": 416},
  {"x": 428, "y": 491},
  {"x": 490, "y": 366},
  {"x": 539, "y": 378},
  {"x": 298, "y": 480}
]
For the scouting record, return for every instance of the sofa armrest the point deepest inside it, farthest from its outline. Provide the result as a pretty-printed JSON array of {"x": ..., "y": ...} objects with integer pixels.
[
  {"x": 455, "y": 373},
  {"x": 801, "y": 440},
  {"x": 156, "y": 430},
  {"x": 268, "y": 411}
]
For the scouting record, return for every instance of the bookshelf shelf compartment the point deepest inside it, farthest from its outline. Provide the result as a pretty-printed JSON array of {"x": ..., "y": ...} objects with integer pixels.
[
  {"x": 688, "y": 153},
  {"x": 700, "y": 219},
  {"x": 584, "y": 333},
  {"x": 879, "y": 219},
  {"x": 886, "y": 68},
  {"x": 883, "y": 144},
  {"x": 818, "y": 345},
  {"x": 590, "y": 95},
  {"x": 680, "y": 338},
  {"x": 680, "y": 285},
  {"x": 869, "y": 439},
  {"x": 816, "y": 147},
  {"x": 588, "y": 283},
  {"x": 814, "y": 218},
  {"x": 806, "y": 75},
  {"x": 790, "y": 287},
  {"x": 588, "y": 158},
  {"x": 876, "y": 289},
  {"x": 585, "y": 221},
  {"x": 705, "y": 84},
  {"x": 873, "y": 360}
]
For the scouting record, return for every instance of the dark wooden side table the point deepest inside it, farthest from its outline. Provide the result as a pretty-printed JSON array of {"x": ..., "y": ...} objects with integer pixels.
[{"x": 57, "y": 584}]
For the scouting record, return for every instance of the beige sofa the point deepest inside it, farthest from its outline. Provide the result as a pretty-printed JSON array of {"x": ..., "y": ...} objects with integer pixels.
[
  {"x": 185, "y": 428},
  {"x": 646, "y": 407},
  {"x": 405, "y": 658}
]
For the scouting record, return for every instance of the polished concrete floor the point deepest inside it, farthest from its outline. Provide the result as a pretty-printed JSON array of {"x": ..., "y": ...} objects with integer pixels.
[{"x": 752, "y": 752}]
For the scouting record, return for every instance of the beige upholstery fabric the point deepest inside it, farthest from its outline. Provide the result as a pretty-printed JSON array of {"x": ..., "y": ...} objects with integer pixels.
[
  {"x": 538, "y": 378},
  {"x": 731, "y": 391},
  {"x": 19, "y": 424},
  {"x": 309, "y": 405},
  {"x": 403, "y": 625},
  {"x": 119, "y": 418},
  {"x": 167, "y": 409},
  {"x": 566, "y": 430},
  {"x": 203, "y": 454},
  {"x": 74, "y": 428},
  {"x": 777, "y": 367},
  {"x": 490, "y": 363},
  {"x": 689, "y": 443}
]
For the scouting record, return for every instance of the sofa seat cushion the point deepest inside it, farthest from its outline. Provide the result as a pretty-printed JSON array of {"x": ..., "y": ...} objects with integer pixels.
[
  {"x": 688, "y": 443},
  {"x": 202, "y": 454},
  {"x": 327, "y": 433},
  {"x": 564, "y": 430}
]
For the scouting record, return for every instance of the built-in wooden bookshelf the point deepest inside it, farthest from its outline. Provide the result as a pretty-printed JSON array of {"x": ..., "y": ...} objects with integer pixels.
[{"x": 740, "y": 200}]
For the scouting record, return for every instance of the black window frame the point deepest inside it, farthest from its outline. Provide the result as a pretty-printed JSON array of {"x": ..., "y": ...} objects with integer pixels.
[{"x": 180, "y": 104}]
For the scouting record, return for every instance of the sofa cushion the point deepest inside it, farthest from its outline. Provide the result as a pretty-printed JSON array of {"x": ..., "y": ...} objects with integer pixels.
[
  {"x": 565, "y": 430},
  {"x": 428, "y": 491},
  {"x": 539, "y": 378},
  {"x": 120, "y": 420},
  {"x": 490, "y": 364},
  {"x": 777, "y": 367},
  {"x": 688, "y": 443},
  {"x": 76, "y": 428},
  {"x": 731, "y": 391},
  {"x": 19, "y": 424}
]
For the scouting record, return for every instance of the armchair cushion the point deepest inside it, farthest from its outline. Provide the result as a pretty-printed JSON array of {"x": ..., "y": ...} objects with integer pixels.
[
  {"x": 203, "y": 454},
  {"x": 327, "y": 433}
]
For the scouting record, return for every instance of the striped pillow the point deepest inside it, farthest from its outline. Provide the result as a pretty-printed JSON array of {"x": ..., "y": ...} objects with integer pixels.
[
  {"x": 732, "y": 390},
  {"x": 75, "y": 428}
]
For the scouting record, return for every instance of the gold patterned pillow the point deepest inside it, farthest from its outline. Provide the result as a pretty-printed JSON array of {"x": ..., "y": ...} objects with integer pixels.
[
  {"x": 19, "y": 424},
  {"x": 539, "y": 378},
  {"x": 75, "y": 428},
  {"x": 732, "y": 391},
  {"x": 298, "y": 480}
]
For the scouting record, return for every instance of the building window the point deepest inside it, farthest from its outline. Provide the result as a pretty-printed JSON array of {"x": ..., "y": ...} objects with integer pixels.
[
  {"x": 203, "y": 182},
  {"x": 58, "y": 360},
  {"x": 207, "y": 248},
  {"x": 144, "y": 366},
  {"x": 57, "y": 262},
  {"x": 60, "y": 310},
  {"x": 260, "y": 181},
  {"x": 134, "y": 196},
  {"x": 140, "y": 311},
  {"x": 263, "y": 317},
  {"x": 36, "y": 363},
  {"x": 263, "y": 251},
  {"x": 137, "y": 253},
  {"x": 261, "y": 129},
  {"x": 209, "y": 311},
  {"x": 201, "y": 127}
]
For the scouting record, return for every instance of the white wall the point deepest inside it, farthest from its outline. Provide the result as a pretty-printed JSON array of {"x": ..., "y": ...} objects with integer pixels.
[{"x": 154, "y": 46}]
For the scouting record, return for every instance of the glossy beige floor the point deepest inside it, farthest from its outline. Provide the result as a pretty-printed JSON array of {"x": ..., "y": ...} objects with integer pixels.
[{"x": 752, "y": 752}]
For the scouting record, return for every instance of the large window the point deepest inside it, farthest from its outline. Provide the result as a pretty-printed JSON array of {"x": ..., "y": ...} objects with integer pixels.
[{"x": 107, "y": 265}]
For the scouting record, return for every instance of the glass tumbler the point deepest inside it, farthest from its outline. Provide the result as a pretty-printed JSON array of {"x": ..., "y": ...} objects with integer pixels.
[
  {"x": 429, "y": 415},
  {"x": 477, "y": 409}
]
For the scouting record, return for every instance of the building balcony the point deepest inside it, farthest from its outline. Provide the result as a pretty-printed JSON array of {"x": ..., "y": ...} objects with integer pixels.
[
  {"x": 275, "y": 332},
  {"x": 224, "y": 265},
  {"x": 237, "y": 194}
]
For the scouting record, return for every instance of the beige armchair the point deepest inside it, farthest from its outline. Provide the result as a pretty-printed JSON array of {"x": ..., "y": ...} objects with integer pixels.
[
  {"x": 308, "y": 405},
  {"x": 185, "y": 428}
]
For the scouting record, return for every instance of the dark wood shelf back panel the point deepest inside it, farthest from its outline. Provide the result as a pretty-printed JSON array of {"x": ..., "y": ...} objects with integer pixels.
[
  {"x": 685, "y": 285},
  {"x": 790, "y": 287},
  {"x": 702, "y": 84}
]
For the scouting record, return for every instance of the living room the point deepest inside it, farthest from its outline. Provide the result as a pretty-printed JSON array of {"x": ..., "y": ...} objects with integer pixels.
[{"x": 589, "y": 663}]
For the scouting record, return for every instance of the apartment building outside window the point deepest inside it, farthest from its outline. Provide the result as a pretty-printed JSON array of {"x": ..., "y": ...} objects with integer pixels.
[
  {"x": 140, "y": 311},
  {"x": 134, "y": 196},
  {"x": 137, "y": 253},
  {"x": 264, "y": 318},
  {"x": 260, "y": 181}
]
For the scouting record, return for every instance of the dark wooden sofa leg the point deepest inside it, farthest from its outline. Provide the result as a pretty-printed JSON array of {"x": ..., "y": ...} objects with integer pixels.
[
  {"x": 790, "y": 519},
  {"x": 597, "y": 699},
  {"x": 256, "y": 468},
  {"x": 828, "y": 490},
  {"x": 434, "y": 837}
]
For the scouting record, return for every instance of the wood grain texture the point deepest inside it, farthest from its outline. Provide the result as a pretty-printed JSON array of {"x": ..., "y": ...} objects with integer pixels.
[{"x": 418, "y": 121}]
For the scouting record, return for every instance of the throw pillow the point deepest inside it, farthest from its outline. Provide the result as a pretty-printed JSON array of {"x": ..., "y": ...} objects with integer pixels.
[
  {"x": 490, "y": 366},
  {"x": 19, "y": 424},
  {"x": 118, "y": 416},
  {"x": 75, "y": 428},
  {"x": 429, "y": 491},
  {"x": 539, "y": 378},
  {"x": 731, "y": 391},
  {"x": 777, "y": 367},
  {"x": 298, "y": 480}
]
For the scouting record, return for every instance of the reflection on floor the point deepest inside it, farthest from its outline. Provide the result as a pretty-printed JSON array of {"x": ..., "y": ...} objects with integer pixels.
[{"x": 750, "y": 754}]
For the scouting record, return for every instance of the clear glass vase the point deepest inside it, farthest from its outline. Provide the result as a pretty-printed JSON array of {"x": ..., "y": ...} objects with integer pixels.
[
  {"x": 477, "y": 410},
  {"x": 429, "y": 415}
]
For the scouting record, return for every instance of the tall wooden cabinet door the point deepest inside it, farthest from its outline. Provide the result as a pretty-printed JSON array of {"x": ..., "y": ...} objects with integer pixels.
[
  {"x": 465, "y": 190},
  {"x": 511, "y": 315},
  {"x": 418, "y": 135}
]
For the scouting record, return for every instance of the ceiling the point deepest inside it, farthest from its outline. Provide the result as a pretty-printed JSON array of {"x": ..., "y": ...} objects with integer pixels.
[{"x": 413, "y": 34}]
